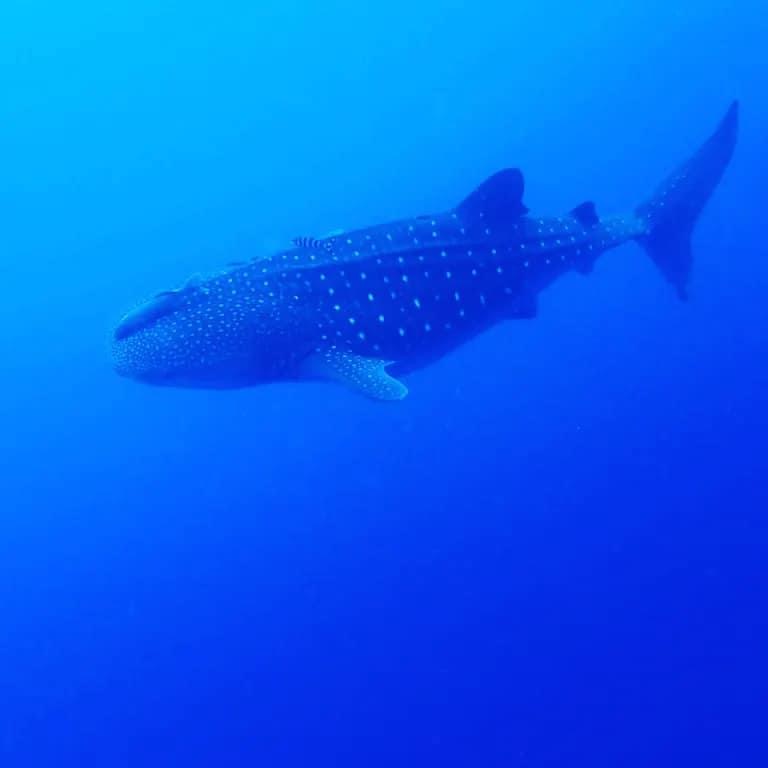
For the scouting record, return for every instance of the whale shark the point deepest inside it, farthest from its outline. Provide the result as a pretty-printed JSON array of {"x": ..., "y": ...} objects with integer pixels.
[{"x": 365, "y": 307}]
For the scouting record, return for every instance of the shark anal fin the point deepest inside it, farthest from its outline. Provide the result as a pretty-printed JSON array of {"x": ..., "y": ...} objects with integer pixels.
[{"x": 366, "y": 375}]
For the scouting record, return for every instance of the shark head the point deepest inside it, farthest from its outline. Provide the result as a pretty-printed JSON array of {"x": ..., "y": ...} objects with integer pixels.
[{"x": 199, "y": 336}]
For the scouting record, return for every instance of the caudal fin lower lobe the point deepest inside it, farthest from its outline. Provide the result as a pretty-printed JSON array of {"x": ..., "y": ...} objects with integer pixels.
[{"x": 671, "y": 213}]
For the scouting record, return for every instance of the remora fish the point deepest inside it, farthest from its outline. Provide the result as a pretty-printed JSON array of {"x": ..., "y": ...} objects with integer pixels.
[{"x": 361, "y": 307}]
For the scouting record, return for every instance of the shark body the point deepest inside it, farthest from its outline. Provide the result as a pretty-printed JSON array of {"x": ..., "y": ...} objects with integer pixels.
[{"x": 363, "y": 307}]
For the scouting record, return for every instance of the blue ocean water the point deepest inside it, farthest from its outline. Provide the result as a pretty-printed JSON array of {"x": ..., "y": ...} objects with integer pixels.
[{"x": 552, "y": 553}]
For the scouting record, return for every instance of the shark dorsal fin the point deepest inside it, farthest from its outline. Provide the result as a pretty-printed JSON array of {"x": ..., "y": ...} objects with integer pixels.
[
  {"x": 586, "y": 214},
  {"x": 498, "y": 198}
]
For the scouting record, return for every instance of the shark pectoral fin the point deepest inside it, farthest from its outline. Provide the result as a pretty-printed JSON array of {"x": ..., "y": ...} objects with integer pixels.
[{"x": 366, "y": 375}]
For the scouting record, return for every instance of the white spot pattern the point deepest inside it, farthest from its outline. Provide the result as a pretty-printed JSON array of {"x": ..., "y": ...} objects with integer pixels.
[{"x": 205, "y": 329}]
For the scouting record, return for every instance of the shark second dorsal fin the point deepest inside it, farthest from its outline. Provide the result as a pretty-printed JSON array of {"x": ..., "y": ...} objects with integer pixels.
[
  {"x": 498, "y": 198},
  {"x": 366, "y": 375}
]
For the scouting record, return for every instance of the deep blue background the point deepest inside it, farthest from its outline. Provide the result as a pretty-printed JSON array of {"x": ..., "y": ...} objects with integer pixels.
[{"x": 552, "y": 553}]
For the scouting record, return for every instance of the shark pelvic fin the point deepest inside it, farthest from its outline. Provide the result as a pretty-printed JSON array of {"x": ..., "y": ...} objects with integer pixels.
[
  {"x": 366, "y": 375},
  {"x": 498, "y": 199}
]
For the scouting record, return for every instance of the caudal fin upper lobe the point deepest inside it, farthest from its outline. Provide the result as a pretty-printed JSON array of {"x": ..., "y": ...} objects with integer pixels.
[{"x": 671, "y": 213}]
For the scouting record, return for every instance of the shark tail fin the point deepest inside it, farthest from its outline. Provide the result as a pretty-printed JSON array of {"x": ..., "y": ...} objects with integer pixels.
[{"x": 670, "y": 214}]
